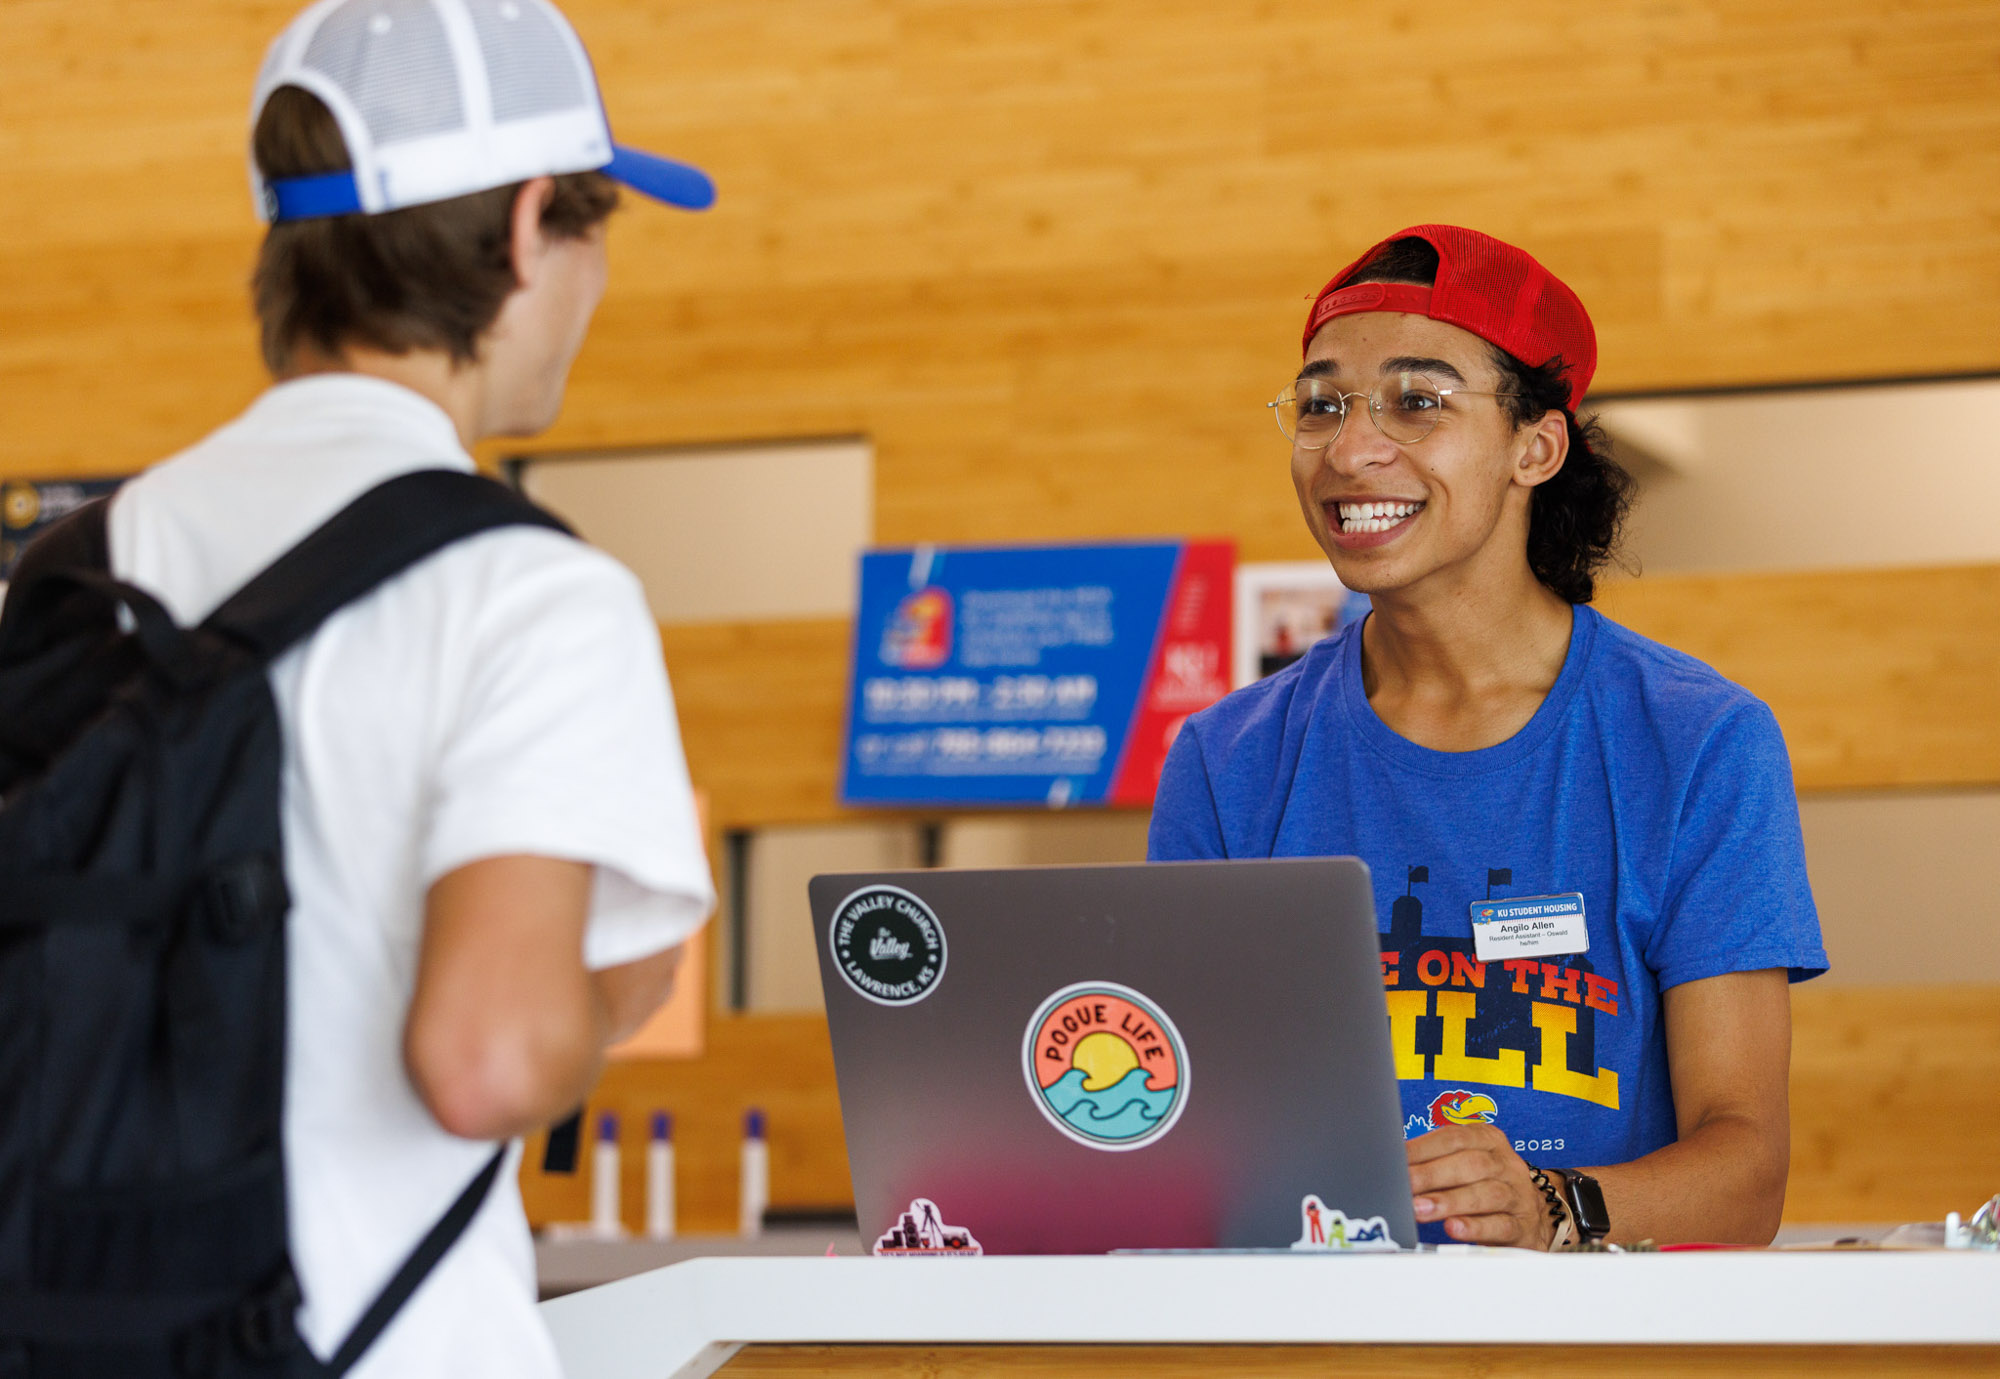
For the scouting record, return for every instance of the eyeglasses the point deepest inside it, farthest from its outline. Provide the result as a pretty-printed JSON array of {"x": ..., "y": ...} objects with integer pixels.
[{"x": 1406, "y": 408}]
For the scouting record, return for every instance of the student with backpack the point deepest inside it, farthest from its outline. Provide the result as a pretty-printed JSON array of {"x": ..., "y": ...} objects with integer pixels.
[{"x": 343, "y": 815}]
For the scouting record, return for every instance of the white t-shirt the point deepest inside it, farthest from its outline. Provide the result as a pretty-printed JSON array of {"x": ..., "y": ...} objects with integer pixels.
[{"x": 505, "y": 696}]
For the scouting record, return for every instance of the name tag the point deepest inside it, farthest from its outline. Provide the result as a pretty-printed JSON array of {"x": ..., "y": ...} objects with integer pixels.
[{"x": 1529, "y": 926}]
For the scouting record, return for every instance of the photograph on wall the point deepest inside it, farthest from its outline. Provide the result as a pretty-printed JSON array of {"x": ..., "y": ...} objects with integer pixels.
[
  {"x": 27, "y": 506},
  {"x": 1282, "y": 608}
]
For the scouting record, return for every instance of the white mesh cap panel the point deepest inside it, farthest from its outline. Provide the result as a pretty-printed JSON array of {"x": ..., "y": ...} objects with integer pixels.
[
  {"x": 441, "y": 98},
  {"x": 529, "y": 69},
  {"x": 274, "y": 58},
  {"x": 394, "y": 62}
]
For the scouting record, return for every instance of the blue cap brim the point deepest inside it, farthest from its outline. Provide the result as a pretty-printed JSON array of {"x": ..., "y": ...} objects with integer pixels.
[{"x": 677, "y": 184}]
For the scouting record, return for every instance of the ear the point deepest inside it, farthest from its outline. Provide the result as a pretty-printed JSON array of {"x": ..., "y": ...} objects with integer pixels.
[
  {"x": 527, "y": 242},
  {"x": 1543, "y": 447}
]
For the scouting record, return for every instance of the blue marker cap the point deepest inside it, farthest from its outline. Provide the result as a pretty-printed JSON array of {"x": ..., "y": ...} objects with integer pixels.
[
  {"x": 663, "y": 1126},
  {"x": 607, "y": 1128},
  {"x": 753, "y": 1125}
]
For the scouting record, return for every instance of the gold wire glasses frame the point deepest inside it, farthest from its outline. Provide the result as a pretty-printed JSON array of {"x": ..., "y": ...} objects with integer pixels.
[{"x": 1405, "y": 406}]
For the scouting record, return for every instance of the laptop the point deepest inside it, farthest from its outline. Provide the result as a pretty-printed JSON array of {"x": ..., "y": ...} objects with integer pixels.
[{"x": 1073, "y": 1060}]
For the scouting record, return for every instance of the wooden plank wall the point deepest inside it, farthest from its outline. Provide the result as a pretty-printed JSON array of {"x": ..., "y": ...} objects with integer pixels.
[
  {"x": 1051, "y": 257},
  {"x": 1888, "y": 1119}
]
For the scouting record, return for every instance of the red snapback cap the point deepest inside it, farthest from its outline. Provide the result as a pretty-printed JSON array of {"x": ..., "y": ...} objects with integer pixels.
[{"x": 1490, "y": 288}]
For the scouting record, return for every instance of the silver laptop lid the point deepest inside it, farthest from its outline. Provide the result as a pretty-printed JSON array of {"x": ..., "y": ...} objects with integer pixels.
[{"x": 1080, "y": 1059}]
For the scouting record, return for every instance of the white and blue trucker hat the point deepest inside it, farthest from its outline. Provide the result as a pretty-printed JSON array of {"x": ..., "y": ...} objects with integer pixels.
[{"x": 442, "y": 98}]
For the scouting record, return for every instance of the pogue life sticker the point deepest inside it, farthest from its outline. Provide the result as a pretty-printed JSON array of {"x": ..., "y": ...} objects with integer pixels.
[
  {"x": 1328, "y": 1228},
  {"x": 921, "y": 1231},
  {"x": 888, "y": 945},
  {"x": 1106, "y": 1066}
]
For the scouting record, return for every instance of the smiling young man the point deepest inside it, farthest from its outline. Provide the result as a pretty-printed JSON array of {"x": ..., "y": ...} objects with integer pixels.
[{"x": 1587, "y": 844}]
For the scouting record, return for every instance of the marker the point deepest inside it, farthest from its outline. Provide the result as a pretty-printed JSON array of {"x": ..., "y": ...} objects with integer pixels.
[
  {"x": 660, "y": 1179},
  {"x": 604, "y": 1179},
  {"x": 755, "y": 1180}
]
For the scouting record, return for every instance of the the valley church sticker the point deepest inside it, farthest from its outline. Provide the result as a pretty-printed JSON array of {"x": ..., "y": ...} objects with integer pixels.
[
  {"x": 888, "y": 945},
  {"x": 1106, "y": 1066}
]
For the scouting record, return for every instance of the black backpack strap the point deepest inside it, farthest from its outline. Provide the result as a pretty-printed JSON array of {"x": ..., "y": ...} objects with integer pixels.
[
  {"x": 416, "y": 1268},
  {"x": 377, "y": 536},
  {"x": 565, "y": 1137},
  {"x": 76, "y": 542},
  {"x": 61, "y": 651}
]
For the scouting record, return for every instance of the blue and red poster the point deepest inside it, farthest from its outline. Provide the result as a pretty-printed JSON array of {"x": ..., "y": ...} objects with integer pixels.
[{"x": 1047, "y": 675}]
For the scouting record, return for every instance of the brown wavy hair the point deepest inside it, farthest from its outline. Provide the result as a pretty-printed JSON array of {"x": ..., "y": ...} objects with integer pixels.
[{"x": 427, "y": 277}]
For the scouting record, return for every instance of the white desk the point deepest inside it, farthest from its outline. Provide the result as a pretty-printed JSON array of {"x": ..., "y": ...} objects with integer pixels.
[{"x": 686, "y": 1321}]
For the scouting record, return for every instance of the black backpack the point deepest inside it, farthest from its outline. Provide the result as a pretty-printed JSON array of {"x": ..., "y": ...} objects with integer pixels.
[{"x": 142, "y": 952}]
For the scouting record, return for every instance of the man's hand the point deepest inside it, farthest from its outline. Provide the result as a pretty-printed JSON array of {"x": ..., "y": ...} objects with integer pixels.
[{"x": 1470, "y": 1178}]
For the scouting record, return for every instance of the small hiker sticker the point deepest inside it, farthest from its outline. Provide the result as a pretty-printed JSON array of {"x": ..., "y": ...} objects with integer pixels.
[
  {"x": 888, "y": 945},
  {"x": 922, "y": 1231},
  {"x": 1328, "y": 1228},
  {"x": 1105, "y": 1065}
]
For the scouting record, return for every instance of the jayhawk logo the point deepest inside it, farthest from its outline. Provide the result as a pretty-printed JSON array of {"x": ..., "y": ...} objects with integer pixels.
[
  {"x": 1462, "y": 1108},
  {"x": 918, "y": 637}
]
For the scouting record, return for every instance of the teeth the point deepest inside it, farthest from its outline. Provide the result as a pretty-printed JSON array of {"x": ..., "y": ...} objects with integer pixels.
[{"x": 1366, "y": 518}]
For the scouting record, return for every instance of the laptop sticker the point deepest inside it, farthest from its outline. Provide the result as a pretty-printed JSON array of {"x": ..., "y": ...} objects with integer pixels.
[
  {"x": 921, "y": 1231},
  {"x": 1106, "y": 1066},
  {"x": 1455, "y": 1107},
  {"x": 888, "y": 945},
  {"x": 1328, "y": 1228}
]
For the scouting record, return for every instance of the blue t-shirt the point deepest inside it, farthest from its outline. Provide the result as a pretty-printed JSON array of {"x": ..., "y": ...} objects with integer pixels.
[{"x": 1658, "y": 790}]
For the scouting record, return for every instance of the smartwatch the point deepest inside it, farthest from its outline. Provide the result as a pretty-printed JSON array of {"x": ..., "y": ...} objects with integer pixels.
[{"x": 1586, "y": 1206}]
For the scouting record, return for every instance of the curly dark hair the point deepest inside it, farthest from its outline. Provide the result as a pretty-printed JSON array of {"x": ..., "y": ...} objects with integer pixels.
[{"x": 1576, "y": 517}]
